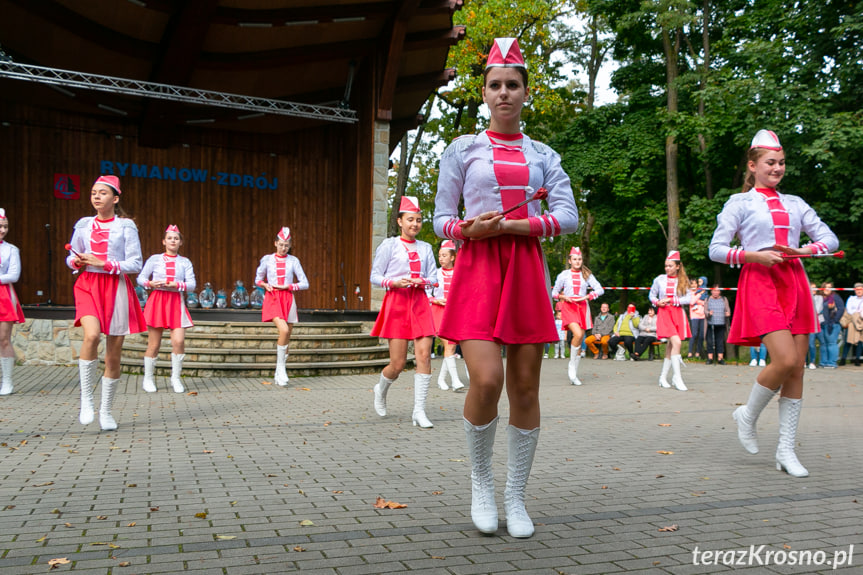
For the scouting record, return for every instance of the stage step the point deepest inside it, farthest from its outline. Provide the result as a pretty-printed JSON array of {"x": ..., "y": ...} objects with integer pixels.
[{"x": 248, "y": 349}]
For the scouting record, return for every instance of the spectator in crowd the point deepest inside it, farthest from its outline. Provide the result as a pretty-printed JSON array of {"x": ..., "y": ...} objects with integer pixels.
[
  {"x": 758, "y": 355},
  {"x": 603, "y": 325},
  {"x": 818, "y": 301},
  {"x": 718, "y": 312},
  {"x": 625, "y": 330},
  {"x": 646, "y": 335},
  {"x": 696, "y": 315},
  {"x": 832, "y": 311},
  {"x": 854, "y": 319}
]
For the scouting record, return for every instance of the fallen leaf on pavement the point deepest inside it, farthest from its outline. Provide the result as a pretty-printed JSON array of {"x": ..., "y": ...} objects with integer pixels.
[
  {"x": 225, "y": 537},
  {"x": 192, "y": 393},
  {"x": 665, "y": 452},
  {"x": 307, "y": 522},
  {"x": 124, "y": 564},
  {"x": 132, "y": 524},
  {"x": 382, "y": 504},
  {"x": 266, "y": 383},
  {"x": 59, "y": 561},
  {"x": 298, "y": 548},
  {"x": 201, "y": 515},
  {"x": 669, "y": 528}
]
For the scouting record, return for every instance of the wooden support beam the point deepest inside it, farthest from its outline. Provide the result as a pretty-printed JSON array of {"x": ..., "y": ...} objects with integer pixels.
[
  {"x": 181, "y": 45},
  {"x": 393, "y": 58}
]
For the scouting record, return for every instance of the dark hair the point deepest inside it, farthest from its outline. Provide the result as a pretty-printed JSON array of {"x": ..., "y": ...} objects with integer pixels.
[
  {"x": 182, "y": 239},
  {"x": 119, "y": 211},
  {"x": 522, "y": 71}
]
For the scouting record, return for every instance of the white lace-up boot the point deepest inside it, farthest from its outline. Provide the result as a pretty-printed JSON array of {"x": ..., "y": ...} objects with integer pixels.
[
  {"x": 441, "y": 376},
  {"x": 572, "y": 372},
  {"x": 8, "y": 365},
  {"x": 522, "y": 446},
  {"x": 86, "y": 374},
  {"x": 452, "y": 367},
  {"x": 149, "y": 383},
  {"x": 747, "y": 415},
  {"x": 480, "y": 444},
  {"x": 421, "y": 391},
  {"x": 106, "y": 419},
  {"x": 381, "y": 389},
  {"x": 676, "y": 379},
  {"x": 789, "y": 417},
  {"x": 281, "y": 375},
  {"x": 176, "y": 369},
  {"x": 663, "y": 377}
]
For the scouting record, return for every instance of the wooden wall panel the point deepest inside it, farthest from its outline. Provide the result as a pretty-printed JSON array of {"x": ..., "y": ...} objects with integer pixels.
[{"x": 227, "y": 228}]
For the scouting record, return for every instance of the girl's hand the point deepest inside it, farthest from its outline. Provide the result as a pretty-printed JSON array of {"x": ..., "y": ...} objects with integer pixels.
[
  {"x": 89, "y": 260},
  {"x": 793, "y": 251},
  {"x": 767, "y": 258},
  {"x": 402, "y": 283},
  {"x": 267, "y": 287},
  {"x": 578, "y": 299},
  {"x": 156, "y": 284},
  {"x": 485, "y": 225},
  {"x": 663, "y": 302}
]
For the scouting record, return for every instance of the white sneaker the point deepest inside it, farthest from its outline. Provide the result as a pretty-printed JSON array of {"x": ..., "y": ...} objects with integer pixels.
[
  {"x": 545, "y": 356},
  {"x": 811, "y": 366},
  {"x": 753, "y": 363},
  {"x": 762, "y": 363}
]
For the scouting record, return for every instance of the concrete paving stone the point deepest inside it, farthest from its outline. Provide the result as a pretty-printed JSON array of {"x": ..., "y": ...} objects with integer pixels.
[
  {"x": 490, "y": 568},
  {"x": 594, "y": 569}
]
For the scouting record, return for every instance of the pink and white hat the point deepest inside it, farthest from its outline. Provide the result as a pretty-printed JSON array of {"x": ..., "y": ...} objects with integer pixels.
[
  {"x": 112, "y": 182},
  {"x": 766, "y": 139},
  {"x": 575, "y": 251},
  {"x": 2, "y": 214},
  {"x": 172, "y": 228},
  {"x": 673, "y": 255},
  {"x": 409, "y": 204},
  {"x": 284, "y": 234},
  {"x": 447, "y": 245},
  {"x": 505, "y": 53}
]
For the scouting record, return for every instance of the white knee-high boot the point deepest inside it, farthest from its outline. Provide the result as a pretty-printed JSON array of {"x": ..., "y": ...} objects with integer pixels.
[
  {"x": 789, "y": 417},
  {"x": 441, "y": 376},
  {"x": 281, "y": 375},
  {"x": 149, "y": 383},
  {"x": 522, "y": 446},
  {"x": 86, "y": 374},
  {"x": 574, "y": 358},
  {"x": 747, "y": 415},
  {"x": 480, "y": 445},
  {"x": 676, "y": 379},
  {"x": 381, "y": 389},
  {"x": 421, "y": 391},
  {"x": 451, "y": 366},
  {"x": 106, "y": 419},
  {"x": 7, "y": 364},
  {"x": 176, "y": 369},
  {"x": 663, "y": 377}
]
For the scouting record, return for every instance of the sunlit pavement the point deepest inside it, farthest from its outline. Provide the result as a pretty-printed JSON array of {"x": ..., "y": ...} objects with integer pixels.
[{"x": 239, "y": 476}]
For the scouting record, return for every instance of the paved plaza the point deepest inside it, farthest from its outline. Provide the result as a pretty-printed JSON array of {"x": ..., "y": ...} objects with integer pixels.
[{"x": 241, "y": 477}]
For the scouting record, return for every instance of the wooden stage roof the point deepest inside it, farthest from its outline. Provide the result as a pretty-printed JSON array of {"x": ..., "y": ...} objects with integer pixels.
[{"x": 294, "y": 50}]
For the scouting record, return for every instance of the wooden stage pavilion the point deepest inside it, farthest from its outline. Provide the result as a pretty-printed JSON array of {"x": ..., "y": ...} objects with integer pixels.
[{"x": 277, "y": 113}]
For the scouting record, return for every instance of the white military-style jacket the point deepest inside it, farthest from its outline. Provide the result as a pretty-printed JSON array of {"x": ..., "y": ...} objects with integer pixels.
[
  {"x": 124, "y": 247},
  {"x": 10, "y": 263},
  {"x": 391, "y": 262},
  {"x": 295, "y": 277},
  {"x": 156, "y": 269}
]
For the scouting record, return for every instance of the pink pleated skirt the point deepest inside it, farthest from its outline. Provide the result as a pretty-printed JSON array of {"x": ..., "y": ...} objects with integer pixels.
[
  {"x": 577, "y": 313},
  {"x": 772, "y": 299},
  {"x": 405, "y": 314},
  {"x": 10, "y": 307},
  {"x": 111, "y": 299},
  {"x": 670, "y": 321},
  {"x": 279, "y": 303},
  {"x": 167, "y": 309},
  {"x": 500, "y": 292}
]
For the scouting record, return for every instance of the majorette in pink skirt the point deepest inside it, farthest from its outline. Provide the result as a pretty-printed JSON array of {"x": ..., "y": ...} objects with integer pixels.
[
  {"x": 500, "y": 293},
  {"x": 671, "y": 320},
  {"x": 576, "y": 312},
  {"x": 111, "y": 299},
  {"x": 405, "y": 314},
  {"x": 279, "y": 303},
  {"x": 167, "y": 309},
  {"x": 10, "y": 307},
  {"x": 772, "y": 299}
]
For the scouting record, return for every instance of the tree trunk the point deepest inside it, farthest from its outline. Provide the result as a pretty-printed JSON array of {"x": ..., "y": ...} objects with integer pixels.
[
  {"x": 593, "y": 65},
  {"x": 702, "y": 142},
  {"x": 672, "y": 189},
  {"x": 401, "y": 183}
]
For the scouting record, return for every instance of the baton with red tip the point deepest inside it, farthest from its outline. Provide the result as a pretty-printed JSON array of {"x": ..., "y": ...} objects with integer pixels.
[
  {"x": 540, "y": 194},
  {"x": 840, "y": 255}
]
